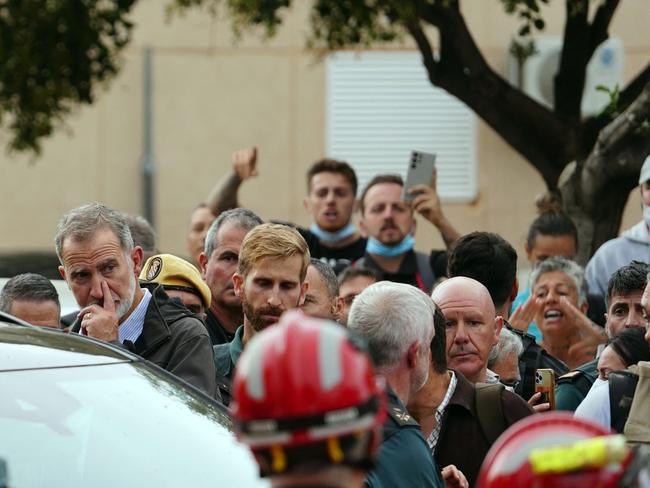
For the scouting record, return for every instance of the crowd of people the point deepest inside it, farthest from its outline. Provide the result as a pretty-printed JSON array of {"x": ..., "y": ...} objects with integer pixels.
[{"x": 400, "y": 368}]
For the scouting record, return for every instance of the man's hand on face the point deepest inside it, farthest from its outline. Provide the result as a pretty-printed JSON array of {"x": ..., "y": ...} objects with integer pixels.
[
  {"x": 101, "y": 322},
  {"x": 244, "y": 163}
]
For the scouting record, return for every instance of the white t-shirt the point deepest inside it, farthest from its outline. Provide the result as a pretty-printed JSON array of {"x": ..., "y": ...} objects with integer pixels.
[{"x": 595, "y": 406}]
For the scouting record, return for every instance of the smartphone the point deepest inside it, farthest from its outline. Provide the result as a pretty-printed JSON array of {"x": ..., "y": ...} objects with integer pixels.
[
  {"x": 545, "y": 383},
  {"x": 419, "y": 171}
]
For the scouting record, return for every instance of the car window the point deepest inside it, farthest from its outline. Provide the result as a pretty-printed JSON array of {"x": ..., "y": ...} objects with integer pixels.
[{"x": 115, "y": 425}]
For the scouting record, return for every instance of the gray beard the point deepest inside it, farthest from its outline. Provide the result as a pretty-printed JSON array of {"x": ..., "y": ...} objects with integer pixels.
[{"x": 125, "y": 303}]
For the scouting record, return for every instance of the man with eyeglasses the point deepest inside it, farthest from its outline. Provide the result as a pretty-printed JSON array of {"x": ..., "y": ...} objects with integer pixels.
[
  {"x": 352, "y": 281},
  {"x": 504, "y": 359}
]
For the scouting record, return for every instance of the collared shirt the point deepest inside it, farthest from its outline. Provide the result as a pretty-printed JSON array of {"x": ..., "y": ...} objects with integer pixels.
[
  {"x": 236, "y": 346},
  {"x": 491, "y": 378},
  {"x": 225, "y": 359},
  {"x": 462, "y": 441},
  {"x": 226, "y": 355},
  {"x": 432, "y": 440},
  {"x": 131, "y": 328}
]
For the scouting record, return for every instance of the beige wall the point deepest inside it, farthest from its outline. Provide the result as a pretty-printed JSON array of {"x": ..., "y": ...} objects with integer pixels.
[{"x": 212, "y": 95}]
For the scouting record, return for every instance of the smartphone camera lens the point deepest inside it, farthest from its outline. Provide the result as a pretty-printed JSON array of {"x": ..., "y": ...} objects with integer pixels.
[{"x": 413, "y": 165}]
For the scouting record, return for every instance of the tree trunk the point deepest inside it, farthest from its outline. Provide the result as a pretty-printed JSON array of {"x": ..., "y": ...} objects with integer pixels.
[
  {"x": 603, "y": 223},
  {"x": 593, "y": 163},
  {"x": 596, "y": 189}
]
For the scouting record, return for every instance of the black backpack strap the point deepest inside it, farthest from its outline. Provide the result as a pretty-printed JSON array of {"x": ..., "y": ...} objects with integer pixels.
[
  {"x": 530, "y": 359},
  {"x": 622, "y": 385},
  {"x": 490, "y": 410}
]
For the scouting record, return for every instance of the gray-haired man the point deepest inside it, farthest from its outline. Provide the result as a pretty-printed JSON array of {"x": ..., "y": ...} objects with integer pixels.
[
  {"x": 101, "y": 265},
  {"x": 397, "y": 322},
  {"x": 322, "y": 299},
  {"x": 218, "y": 263}
]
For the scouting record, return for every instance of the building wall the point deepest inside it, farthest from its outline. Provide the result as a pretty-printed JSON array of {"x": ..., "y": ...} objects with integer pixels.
[{"x": 213, "y": 94}]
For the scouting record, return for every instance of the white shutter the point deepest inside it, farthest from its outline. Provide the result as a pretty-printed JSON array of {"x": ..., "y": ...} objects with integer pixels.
[{"x": 381, "y": 105}]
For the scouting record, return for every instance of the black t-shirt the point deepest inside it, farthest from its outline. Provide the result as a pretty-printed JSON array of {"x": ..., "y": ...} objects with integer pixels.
[
  {"x": 410, "y": 271},
  {"x": 338, "y": 258},
  {"x": 406, "y": 274}
]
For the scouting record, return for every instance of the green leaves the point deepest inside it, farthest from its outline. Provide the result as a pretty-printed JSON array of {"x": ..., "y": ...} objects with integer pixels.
[
  {"x": 335, "y": 24},
  {"x": 529, "y": 12},
  {"x": 52, "y": 55},
  {"x": 612, "y": 109}
]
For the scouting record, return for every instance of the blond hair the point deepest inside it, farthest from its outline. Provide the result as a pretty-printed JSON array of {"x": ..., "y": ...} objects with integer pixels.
[{"x": 272, "y": 241}]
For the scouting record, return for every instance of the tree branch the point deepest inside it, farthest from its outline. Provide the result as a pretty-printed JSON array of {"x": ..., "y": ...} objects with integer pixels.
[
  {"x": 600, "y": 25},
  {"x": 619, "y": 149},
  {"x": 570, "y": 78},
  {"x": 520, "y": 120},
  {"x": 592, "y": 126},
  {"x": 446, "y": 4},
  {"x": 616, "y": 134},
  {"x": 634, "y": 88},
  {"x": 596, "y": 190},
  {"x": 428, "y": 59}
]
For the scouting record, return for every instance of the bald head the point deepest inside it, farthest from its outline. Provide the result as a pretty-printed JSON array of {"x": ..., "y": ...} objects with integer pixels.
[
  {"x": 461, "y": 289},
  {"x": 471, "y": 326}
]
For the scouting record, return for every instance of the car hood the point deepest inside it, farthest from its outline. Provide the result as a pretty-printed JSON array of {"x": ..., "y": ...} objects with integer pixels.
[{"x": 38, "y": 348}]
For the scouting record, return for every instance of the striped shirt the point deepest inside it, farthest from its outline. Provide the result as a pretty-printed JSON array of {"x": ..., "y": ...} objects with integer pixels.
[
  {"x": 432, "y": 440},
  {"x": 131, "y": 328}
]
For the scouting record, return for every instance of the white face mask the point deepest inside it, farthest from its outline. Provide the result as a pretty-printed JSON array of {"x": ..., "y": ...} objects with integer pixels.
[{"x": 646, "y": 215}]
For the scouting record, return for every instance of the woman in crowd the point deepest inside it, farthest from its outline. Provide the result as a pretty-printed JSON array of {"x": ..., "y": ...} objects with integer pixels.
[
  {"x": 552, "y": 233},
  {"x": 604, "y": 404},
  {"x": 559, "y": 290},
  {"x": 624, "y": 350}
]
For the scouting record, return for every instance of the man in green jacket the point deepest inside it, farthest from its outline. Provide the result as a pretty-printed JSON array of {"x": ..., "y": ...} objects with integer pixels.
[{"x": 270, "y": 279}]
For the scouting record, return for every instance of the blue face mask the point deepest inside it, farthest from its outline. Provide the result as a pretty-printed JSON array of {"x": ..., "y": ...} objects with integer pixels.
[
  {"x": 376, "y": 247},
  {"x": 337, "y": 236}
]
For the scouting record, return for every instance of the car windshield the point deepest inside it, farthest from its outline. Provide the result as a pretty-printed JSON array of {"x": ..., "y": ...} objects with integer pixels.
[{"x": 114, "y": 425}]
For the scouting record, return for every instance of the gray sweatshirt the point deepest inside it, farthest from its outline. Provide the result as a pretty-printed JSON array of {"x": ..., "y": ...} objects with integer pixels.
[{"x": 633, "y": 245}]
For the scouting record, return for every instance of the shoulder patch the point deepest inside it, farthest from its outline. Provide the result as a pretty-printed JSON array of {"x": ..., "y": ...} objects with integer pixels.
[
  {"x": 571, "y": 375},
  {"x": 401, "y": 416}
]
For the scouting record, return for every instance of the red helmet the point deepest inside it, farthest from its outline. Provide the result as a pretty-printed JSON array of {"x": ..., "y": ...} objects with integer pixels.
[
  {"x": 302, "y": 389},
  {"x": 555, "y": 450}
]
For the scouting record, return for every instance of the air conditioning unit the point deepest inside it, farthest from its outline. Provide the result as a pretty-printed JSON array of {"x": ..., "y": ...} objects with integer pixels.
[{"x": 605, "y": 68}]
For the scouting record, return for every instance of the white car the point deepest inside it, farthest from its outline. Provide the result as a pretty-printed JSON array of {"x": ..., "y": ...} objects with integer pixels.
[{"x": 80, "y": 413}]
